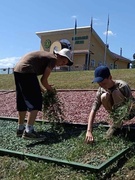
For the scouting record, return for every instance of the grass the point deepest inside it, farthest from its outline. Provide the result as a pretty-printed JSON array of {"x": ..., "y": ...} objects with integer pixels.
[
  {"x": 27, "y": 170},
  {"x": 72, "y": 79},
  {"x": 68, "y": 145},
  {"x": 12, "y": 168}
]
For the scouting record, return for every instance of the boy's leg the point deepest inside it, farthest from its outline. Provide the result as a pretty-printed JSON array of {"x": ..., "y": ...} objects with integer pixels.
[
  {"x": 107, "y": 101},
  {"x": 112, "y": 129},
  {"x": 33, "y": 101},
  {"x": 31, "y": 120},
  {"x": 118, "y": 97},
  {"x": 21, "y": 126},
  {"x": 21, "y": 117},
  {"x": 110, "y": 132},
  {"x": 20, "y": 104},
  {"x": 29, "y": 132}
]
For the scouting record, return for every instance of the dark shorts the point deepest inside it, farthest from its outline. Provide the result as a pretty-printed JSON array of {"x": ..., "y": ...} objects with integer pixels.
[{"x": 28, "y": 92}]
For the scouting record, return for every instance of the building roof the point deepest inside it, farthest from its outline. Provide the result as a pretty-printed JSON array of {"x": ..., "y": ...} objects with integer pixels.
[
  {"x": 119, "y": 57},
  {"x": 114, "y": 55},
  {"x": 82, "y": 51},
  {"x": 39, "y": 34}
]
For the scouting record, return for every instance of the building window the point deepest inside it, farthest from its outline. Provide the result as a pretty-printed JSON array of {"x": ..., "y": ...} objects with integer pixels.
[
  {"x": 100, "y": 63},
  {"x": 111, "y": 66},
  {"x": 92, "y": 63},
  {"x": 116, "y": 66}
]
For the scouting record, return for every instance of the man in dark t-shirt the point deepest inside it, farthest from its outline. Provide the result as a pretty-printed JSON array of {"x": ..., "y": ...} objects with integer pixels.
[{"x": 28, "y": 88}]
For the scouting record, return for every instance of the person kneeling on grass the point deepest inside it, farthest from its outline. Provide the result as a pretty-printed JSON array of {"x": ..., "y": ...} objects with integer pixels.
[
  {"x": 117, "y": 99},
  {"x": 28, "y": 89}
]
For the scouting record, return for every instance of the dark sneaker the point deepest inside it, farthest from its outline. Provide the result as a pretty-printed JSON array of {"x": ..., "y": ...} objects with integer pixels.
[
  {"x": 32, "y": 136},
  {"x": 19, "y": 132}
]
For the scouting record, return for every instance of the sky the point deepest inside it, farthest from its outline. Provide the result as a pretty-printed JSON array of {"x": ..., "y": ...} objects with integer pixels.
[{"x": 21, "y": 19}]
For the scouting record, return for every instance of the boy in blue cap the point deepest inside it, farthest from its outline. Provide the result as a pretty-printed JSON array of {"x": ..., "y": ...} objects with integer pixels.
[{"x": 112, "y": 94}]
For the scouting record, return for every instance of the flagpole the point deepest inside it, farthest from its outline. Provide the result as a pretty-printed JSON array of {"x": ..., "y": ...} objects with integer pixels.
[
  {"x": 106, "y": 41},
  {"x": 75, "y": 32},
  {"x": 89, "y": 44}
]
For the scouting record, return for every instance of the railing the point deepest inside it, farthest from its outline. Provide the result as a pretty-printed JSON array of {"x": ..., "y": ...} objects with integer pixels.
[{"x": 6, "y": 70}]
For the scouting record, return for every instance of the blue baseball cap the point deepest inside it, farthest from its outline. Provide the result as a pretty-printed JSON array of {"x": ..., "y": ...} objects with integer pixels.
[{"x": 101, "y": 73}]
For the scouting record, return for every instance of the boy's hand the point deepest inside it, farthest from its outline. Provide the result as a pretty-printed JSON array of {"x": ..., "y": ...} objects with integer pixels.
[
  {"x": 49, "y": 88},
  {"x": 89, "y": 137}
]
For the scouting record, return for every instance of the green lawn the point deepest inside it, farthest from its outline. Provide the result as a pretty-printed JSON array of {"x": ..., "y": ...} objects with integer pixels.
[
  {"x": 73, "y": 79},
  {"x": 15, "y": 169}
]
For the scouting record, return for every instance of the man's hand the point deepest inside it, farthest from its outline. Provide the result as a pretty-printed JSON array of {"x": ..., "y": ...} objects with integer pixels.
[{"x": 89, "y": 137}]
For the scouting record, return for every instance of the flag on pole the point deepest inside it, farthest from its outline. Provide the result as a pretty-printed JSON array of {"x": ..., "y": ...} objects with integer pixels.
[
  {"x": 106, "y": 40},
  {"x": 75, "y": 32},
  {"x": 107, "y": 30},
  {"x": 108, "y": 24},
  {"x": 89, "y": 44},
  {"x": 75, "y": 26},
  {"x": 91, "y": 25}
]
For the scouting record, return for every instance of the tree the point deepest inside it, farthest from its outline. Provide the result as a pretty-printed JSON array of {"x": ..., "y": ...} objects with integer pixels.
[
  {"x": 134, "y": 56},
  {"x": 133, "y": 62}
]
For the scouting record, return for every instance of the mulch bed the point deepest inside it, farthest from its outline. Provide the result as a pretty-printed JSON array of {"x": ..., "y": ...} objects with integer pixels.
[{"x": 77, "y": 105}]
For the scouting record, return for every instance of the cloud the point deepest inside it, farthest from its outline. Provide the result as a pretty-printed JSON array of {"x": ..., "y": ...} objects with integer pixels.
[
  {"x": 8, "y": 62},
  {"x": 110, "y": 33},
  {"x": 74, "y": 17},
  {"x": 97, "y": 22}
]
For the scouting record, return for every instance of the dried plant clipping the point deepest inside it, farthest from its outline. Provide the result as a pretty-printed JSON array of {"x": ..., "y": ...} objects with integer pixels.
[
  {"x": 53, "y": 109},
  {"x": 124, "y": 111}
]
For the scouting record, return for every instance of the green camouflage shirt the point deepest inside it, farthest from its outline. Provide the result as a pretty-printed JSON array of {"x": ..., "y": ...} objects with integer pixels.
[{"x": 119, "y": 84}]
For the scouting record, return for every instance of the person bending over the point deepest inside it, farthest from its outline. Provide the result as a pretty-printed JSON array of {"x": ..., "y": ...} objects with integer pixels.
[{"x": 28, "y": 87}]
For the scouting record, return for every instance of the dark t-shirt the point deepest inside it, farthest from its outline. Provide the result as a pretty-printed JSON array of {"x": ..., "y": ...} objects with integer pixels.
[{"x": 36, "y": 62}]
